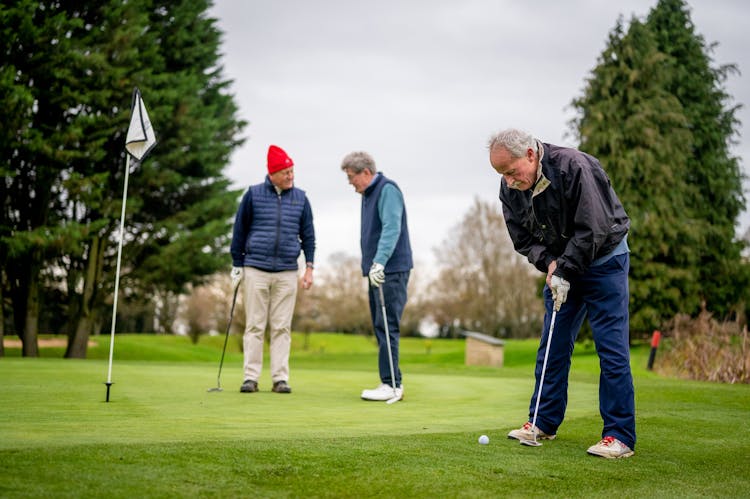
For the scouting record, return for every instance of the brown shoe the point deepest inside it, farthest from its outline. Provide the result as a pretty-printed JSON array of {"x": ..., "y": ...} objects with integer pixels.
[
  {"x": 249, "y": 386},
  {"x": 281, "y": 387}
]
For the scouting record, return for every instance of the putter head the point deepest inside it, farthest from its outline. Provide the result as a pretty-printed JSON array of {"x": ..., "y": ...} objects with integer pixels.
[
  {"x": 215, "y": 389},
  {"x": 393, "y": 399},
  {"x": 531, "y": 443}
]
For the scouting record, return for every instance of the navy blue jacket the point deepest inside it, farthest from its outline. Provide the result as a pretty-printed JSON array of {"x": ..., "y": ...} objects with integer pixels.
[
  {"x": 270, "y": 229},
  {"x": 571, "y": 215},
  {"x": 401, "y": 259}
]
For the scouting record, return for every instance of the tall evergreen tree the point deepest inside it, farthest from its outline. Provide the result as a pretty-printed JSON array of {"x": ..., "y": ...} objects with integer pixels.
[
  {"x": 36, "y": 146},
  {"x": 188, "y": 220},
  {"x": 699, "y": 87},
  {"x": 631, "y": 116},
  {"x": 72, "y": 66},
  {"x": 115, "y": 48}
]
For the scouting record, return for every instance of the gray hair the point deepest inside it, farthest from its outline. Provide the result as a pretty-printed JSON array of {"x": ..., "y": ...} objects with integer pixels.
[
  {"x": 517, "y": 142},
  {"x": 358, "y": 161}
]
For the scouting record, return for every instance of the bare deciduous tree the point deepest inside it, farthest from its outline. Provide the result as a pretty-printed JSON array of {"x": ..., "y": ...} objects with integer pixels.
[
  {"x": 206, "y": 309},
  {"x": 483, "y": 284},
  {"x": 341, "y": 296}
]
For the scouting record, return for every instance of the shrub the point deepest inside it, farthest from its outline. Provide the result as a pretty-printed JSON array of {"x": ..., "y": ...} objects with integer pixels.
[{"x": 704, "y": 349}]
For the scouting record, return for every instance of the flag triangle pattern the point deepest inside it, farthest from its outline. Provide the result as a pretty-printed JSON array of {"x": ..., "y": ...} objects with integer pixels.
[{"x": 141, "y": 137}]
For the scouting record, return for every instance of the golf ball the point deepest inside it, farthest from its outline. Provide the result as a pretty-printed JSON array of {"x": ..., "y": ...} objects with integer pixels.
[{"x": 484, "y": 440}]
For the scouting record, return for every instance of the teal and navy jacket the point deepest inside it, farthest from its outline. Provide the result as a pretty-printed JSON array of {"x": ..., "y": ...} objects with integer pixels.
[{"x": 385, "y": 232}]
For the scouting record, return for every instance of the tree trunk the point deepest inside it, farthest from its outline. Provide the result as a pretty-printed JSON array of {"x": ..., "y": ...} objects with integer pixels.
[
  {"x": 2, "y": 318},
  {"x": 86, "y": 319},
  {"x": 78, "y": 343},
  {"x": 31, "y": 319},
  {"x": 164, "y": 316}
]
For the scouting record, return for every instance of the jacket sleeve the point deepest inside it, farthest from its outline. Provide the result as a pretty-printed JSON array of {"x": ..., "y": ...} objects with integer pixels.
[
  {"x": 588, "y": 193},
  {"x": 390, "y": 211},
  {"x": 242, "y": 221},
  {"x": 307, "y": 232}
]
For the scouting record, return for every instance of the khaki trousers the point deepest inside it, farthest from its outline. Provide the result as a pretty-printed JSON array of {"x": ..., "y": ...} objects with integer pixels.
[{"x": 269, "y": 300}]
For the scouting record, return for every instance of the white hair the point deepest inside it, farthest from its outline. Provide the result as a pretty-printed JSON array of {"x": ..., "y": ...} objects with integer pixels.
[{"x": 517, "y": 142}]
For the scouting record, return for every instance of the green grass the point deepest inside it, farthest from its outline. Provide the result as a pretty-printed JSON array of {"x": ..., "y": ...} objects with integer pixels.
[{"x": 163, "y": 435}]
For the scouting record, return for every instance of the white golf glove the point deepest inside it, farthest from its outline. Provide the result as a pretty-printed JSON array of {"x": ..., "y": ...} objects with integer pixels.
[
  {"x": 236, "y": 276},
  {"x": 559, "y": 288},
  {"x": 377, "y": 275}
]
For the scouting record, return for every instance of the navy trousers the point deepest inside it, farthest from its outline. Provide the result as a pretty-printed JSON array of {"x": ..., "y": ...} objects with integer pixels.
[
  {"x": 602, "y": 293},
  {"x": 394, "y": 292}
]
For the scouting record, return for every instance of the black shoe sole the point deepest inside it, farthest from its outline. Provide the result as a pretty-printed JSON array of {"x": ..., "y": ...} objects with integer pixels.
[
  {"x": 249, "y": 389},
  {"x": 284, "y": 389}
]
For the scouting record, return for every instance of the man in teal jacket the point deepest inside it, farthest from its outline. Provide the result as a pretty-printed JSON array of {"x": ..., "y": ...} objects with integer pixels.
[{"x": 386, "y": 261}]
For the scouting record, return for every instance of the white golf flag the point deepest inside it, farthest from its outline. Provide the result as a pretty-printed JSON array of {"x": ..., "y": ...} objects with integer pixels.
[
  {"x": 139, "y": 142},
  {"x": 141, "y": 137}
]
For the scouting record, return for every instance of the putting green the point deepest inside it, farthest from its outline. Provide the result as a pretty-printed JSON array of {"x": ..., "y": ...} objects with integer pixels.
[
  {"x": 163, "y": 435},
  {"x": 60, "y": 402}
]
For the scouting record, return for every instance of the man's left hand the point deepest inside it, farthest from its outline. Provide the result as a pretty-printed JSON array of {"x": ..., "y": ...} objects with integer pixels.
[
  {"x": 377, "y": 275},
  {"x": 559, "y": 288},
  {"x": 307, "y": 279}
]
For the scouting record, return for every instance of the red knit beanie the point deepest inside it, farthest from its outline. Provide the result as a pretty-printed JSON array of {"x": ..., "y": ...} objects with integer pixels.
[{"x": 278, "y": 159}]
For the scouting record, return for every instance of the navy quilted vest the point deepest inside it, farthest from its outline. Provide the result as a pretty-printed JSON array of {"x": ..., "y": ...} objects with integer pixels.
[{"x": 273, "y": 239}]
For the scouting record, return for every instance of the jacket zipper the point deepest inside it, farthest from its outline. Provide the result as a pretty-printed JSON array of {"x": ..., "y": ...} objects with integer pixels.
[{"x": 278, "y": 229}]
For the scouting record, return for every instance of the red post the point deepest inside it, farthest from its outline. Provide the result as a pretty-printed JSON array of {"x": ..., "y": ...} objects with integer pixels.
[{"x": 655, "y": 339}]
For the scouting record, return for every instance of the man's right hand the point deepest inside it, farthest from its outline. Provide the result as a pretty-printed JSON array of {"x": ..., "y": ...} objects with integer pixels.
[{"x": 236, "y": 276}]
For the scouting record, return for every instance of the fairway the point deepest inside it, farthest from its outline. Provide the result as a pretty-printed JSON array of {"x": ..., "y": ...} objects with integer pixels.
[{"x": 163, "y": 435}]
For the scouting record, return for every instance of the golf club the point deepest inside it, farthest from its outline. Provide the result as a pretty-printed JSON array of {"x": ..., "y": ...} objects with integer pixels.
[
  {"x": 395, "y": 397},
  {"x": 218, "y": 387},
  {"x": 535, "y": 442}
]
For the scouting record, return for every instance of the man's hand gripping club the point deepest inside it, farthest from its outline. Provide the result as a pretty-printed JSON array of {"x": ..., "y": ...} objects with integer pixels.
[
  {"x": 557, "y": 285},
  {"x": 377, "y": 275}
]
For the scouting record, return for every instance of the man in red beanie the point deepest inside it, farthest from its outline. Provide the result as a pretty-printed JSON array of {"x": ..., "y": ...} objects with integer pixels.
[{"x": 273, "y": 224}]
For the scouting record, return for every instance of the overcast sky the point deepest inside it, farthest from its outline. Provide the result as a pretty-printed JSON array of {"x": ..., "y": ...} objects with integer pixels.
[{"x": 421, "y": 85}]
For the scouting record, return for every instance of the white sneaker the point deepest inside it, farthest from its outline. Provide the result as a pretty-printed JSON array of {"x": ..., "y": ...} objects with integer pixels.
[
  {"x": 611, "y": 448},
  {"x": 382, "y": 393},
  {"x": 527, "y": 433}
]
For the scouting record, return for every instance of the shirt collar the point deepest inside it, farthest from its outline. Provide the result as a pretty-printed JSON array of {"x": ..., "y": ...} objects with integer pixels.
[{"x": 374, "y": 178}]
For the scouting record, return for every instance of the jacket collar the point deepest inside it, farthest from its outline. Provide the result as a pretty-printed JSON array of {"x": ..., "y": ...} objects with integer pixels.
[
  {"x": 542, "y": 182},
  {"x": 375, "y": 180},
  {"x": 270, "y": 185}
]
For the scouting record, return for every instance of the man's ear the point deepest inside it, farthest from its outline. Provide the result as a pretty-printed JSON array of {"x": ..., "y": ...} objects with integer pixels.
[{"x": 530, "y": 154}]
